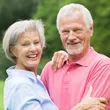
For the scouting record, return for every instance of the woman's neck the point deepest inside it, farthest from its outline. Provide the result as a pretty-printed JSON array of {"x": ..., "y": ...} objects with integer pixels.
[{"x": 32, "y": 69}]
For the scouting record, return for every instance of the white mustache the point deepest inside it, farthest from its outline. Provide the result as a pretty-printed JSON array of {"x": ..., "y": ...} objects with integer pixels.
[{"x": 73, "y": 42}]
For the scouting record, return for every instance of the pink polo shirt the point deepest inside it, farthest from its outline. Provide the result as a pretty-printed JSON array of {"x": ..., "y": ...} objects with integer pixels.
[{"x": 69, "y": 84}]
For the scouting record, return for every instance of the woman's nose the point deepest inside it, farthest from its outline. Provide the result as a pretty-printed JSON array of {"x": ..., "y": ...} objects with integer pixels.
[{"x": 32, "y": 47}]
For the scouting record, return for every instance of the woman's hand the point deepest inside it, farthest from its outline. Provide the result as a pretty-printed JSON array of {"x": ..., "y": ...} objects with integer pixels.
[
  {"x": 58, "y": 59},
  {"x": 89, "y": 103}
]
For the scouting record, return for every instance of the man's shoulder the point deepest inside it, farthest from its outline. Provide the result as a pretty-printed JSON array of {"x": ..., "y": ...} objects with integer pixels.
[
  {"x": 48, "y": 63},
  {"x": 98, "y": 59},
  {"x": 102, "y": 58},
  {"x": 47, "y": 68}
]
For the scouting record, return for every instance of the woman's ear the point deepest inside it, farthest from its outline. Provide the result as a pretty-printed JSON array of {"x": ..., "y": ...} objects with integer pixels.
[{"x": 13, "y": 50}]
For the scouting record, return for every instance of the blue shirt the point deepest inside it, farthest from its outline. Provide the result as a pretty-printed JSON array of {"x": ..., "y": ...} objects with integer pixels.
[{"x": 24, "y": 91}]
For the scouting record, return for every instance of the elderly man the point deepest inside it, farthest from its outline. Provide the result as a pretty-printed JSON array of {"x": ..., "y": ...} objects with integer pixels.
[{"x": 69, "y": 84}]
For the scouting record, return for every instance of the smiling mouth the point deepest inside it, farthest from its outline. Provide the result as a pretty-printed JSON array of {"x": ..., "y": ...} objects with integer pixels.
[
  {"x": 73, "y": 43},
  {"x": 32, "y": 56}
]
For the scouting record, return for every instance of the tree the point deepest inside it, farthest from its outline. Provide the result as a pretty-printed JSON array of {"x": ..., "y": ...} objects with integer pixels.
[
  {"x": 101, "y": 14},
  {"x": 47, "y": 11},
  {"x": 100, "y": 10},
  {"x": 13, "y": 10}
]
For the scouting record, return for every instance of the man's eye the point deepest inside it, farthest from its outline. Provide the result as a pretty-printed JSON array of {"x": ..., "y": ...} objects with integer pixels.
[
  {"x": 78, "y": 31},
  {"x": 65, "y": 31}
]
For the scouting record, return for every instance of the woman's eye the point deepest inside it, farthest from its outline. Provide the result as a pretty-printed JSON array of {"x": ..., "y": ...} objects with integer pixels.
[
  {"x": 25, "y": 44},
  {"x": 36, "y": 42}
]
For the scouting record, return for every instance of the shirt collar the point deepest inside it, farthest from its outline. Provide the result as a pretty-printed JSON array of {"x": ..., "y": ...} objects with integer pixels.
[
  {"x": 17, "y": 72},
  {"x": 85, "y": 61}
]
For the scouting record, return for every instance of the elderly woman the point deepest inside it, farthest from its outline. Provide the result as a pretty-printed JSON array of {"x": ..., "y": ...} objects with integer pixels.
[{"x": 23, "y": 44}]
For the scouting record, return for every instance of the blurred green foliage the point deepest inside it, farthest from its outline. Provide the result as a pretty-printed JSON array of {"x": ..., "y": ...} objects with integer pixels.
[
  {"x": 13, "y": 10},
  {"x": 1, "y": 95},
  {"x": 47, "y": 11},
  {"x": 100, "y": 10}
]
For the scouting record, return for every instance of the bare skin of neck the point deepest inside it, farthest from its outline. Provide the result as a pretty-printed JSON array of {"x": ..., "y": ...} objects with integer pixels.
[{"x": 32, "y": 69}]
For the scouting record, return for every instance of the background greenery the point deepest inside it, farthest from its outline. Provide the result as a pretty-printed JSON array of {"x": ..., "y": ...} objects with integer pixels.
[
  {"x": 13, "y": 10},
  {"x": 1, "y": 95}
]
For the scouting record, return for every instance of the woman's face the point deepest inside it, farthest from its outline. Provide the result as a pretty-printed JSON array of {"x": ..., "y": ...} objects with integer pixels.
[{"x": 28, "y": 50}]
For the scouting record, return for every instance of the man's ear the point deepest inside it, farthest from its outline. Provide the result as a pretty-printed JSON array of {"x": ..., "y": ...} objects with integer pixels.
[{"x": 91, "y": 29}]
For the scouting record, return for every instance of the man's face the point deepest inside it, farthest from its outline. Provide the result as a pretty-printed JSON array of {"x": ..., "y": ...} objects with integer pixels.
[{"x": 74, "y": 34}]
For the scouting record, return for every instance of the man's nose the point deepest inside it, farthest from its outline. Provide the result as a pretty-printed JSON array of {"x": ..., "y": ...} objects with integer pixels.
[{"x": 72, "y": 35}]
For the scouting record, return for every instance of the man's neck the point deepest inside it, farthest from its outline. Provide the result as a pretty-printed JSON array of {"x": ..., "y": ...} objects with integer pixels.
[{"x": 76, "y": 57}]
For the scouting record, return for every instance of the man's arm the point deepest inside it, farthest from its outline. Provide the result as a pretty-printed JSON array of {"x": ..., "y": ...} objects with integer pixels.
[
  {"x": 100, "y": 81},
  {"x": 89, "y": 103}
]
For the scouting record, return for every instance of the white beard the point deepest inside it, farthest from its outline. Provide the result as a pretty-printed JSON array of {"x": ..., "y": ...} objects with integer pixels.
[{"x": 74, "y": 51}]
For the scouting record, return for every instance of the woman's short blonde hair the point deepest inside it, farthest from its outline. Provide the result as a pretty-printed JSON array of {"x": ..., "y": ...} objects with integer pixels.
[{"x": 16, "y": 30}]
